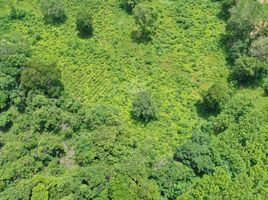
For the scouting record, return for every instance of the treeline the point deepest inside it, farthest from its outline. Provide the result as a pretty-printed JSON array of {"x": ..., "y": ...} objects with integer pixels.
[{"x": 246, "y": 40}]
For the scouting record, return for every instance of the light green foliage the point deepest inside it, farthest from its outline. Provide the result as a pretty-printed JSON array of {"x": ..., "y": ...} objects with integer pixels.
[
  {"x": 53, "y": 11},
  {"x": 145, "y": 18},
  {"x": 14, "y": 50},
  {"x": 39, "y": 192},
  {"x": 143, "y": 108}
]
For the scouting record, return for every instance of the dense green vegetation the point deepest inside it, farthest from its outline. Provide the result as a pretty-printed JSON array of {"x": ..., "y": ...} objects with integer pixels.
[{"x": 133, "y": 99}]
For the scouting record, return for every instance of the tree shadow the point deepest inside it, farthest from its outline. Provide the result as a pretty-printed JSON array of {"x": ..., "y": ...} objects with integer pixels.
[
  {"x": 249, "y": 83},
  {"x": 202, "y": 111},
  {"x": 84, "y": 35},
  {"x": 140, "y": 38},
  {"x": 55, "y": 22}
]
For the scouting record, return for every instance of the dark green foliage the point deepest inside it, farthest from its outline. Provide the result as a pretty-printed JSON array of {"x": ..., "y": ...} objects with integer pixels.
[
  {"x": 247, "y": 69},
  {"x": 143, "y": 108},
  {"x": 226, "y": 6},
  {"x": 215, "y": 98},
  {"x": 44, "y": 79},
  {"x": 168, "y": 175},
  {"x": 129, "y": 5},
  {"x": 145, "y": 18},
  {"x": 53, "y": 11},
  {"x": 84, "y": 24},
  {"x": 197, "y": 155},
  {"x": 5, "y": 121},
  {"x": 17, "y": 13}
]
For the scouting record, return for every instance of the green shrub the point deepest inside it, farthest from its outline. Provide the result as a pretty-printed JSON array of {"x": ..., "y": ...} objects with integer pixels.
[
  {"x": 53, "y": 11},
  {"x": 143, "y": 108},
  {"x": 5, "y": 121},
  {"x": 145, "y": 18},
  {"x": 17, "y": 13},
  {"x": 40, "y": 192},
  {"x": 100, "y": 115},
  {"x": 84, "y": 24},
  {"x": 215, "y": 98}
]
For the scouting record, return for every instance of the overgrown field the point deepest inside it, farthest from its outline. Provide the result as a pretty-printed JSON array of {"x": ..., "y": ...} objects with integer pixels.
[{"x": 132, "y": 159}]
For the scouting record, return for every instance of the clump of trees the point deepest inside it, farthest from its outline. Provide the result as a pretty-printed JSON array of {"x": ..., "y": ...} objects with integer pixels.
[
  {"x": 197, "y": 154},
  {"x": 84, "y": 24},
  {"x": 42, "y": 78},
  {"x": 247, "y": 40},
  {"x": 143, "y": 108},
  {"x": 247, "y": 69},
  {"x": 145, "y": 18},
  {"x": 53, "y": 11}
]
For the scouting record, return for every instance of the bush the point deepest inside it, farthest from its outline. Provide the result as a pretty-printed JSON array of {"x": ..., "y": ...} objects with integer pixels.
[
  {"x": 100, "y": 115},
  {"x": 84, "y": 24},
  {"x": 215, "y": 98},
  {"x": 128, "y": 5},
  {"x": 42, "y": 79},
  {"x": 16, "y": 13},
  {"x": 143, "y": 108},
  {"x": 53, "y": 11},
  {"x": 5, "y": 121},
  {"x": 145, "y": 18},
  {"x": 247, "y": 69}
]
